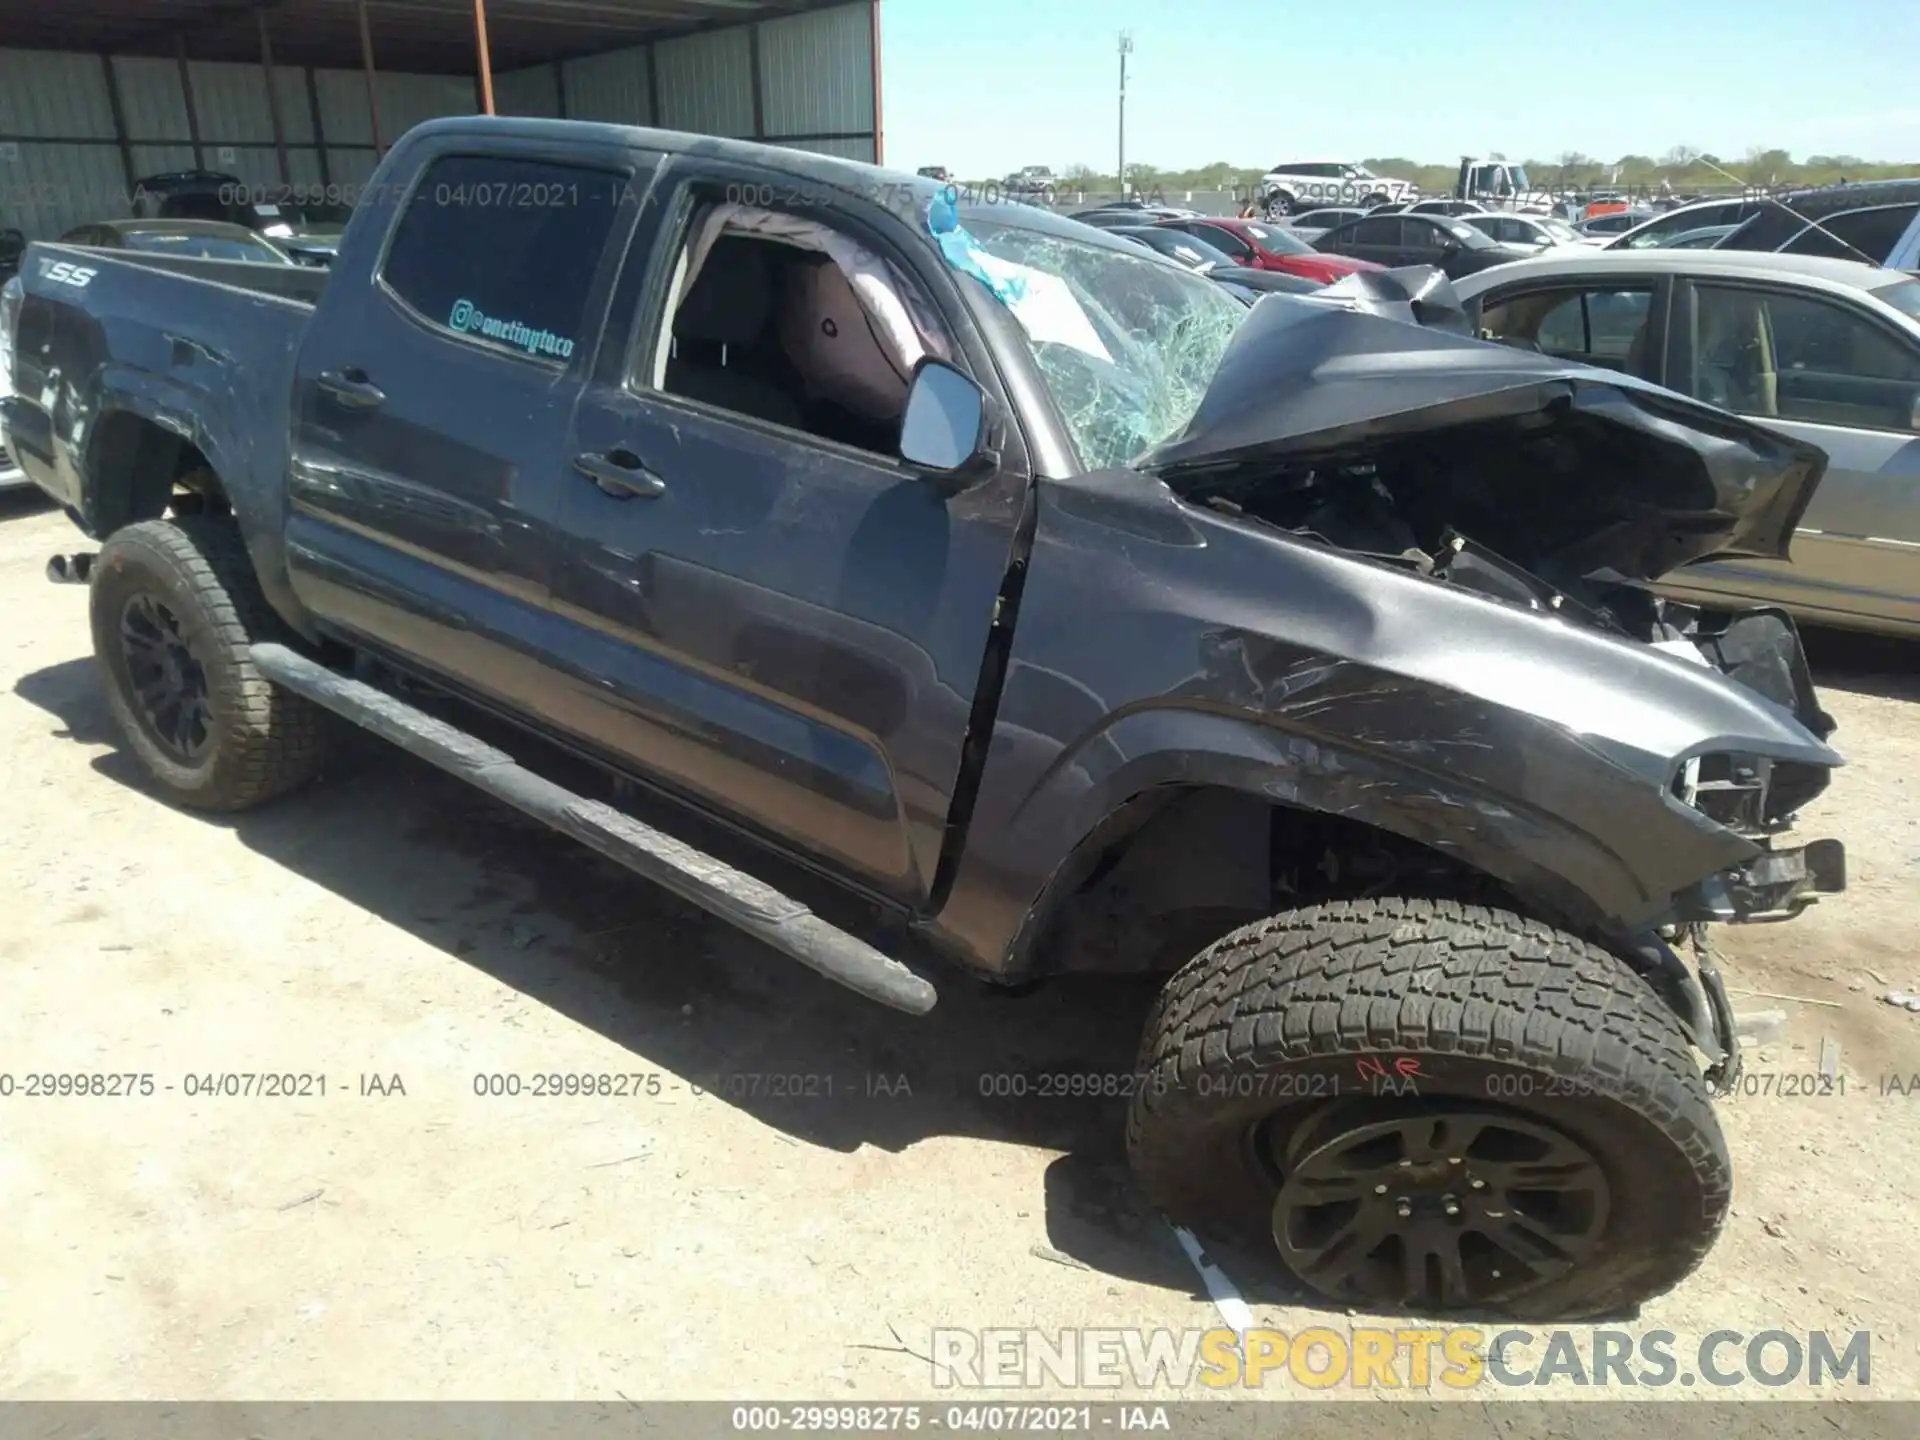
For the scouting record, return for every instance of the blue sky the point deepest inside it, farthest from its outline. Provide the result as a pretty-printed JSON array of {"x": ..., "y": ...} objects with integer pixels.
[{"x": 985, "y": 86}]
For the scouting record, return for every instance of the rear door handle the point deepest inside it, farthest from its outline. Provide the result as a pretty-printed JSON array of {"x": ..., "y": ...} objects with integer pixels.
[
  {"x": 352, "y": 388},
  {"x": 621, "y": 474}
]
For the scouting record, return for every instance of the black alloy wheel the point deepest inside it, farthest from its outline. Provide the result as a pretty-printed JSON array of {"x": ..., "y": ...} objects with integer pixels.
[
  {"x": 1439, "y": 1208},
  {"x": 168, "y": 681}
]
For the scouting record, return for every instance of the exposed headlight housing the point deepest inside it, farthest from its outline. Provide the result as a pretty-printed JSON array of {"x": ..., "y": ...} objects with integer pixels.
[{"x": 1751, "y": 795}]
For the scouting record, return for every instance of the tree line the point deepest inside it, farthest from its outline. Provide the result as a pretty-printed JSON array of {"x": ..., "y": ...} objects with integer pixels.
[{"x": 1683, "y": 168}]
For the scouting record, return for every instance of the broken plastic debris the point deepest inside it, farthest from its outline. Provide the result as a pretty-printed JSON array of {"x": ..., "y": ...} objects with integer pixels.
[
  {"x": 1904, "y": 999},
  {"x": 1757, "y": 1027}
]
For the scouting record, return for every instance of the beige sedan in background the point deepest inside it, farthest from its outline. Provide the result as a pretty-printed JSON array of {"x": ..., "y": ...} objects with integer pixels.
[{"x": 1827, "y": 351}]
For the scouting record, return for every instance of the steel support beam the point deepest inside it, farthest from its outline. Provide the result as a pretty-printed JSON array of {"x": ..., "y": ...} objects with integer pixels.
[
  {"x": 273, "y": 98},
  {"x": 319, "y": 131},
  {"x": 759, "y": 97},
  {"x": 366, "y": 62},
  {"x": 186, "y": 93},
  {"x": 119, "y": 113},
  {"x": 879, "y": 156},
  {"x": 486, "y": 61}
]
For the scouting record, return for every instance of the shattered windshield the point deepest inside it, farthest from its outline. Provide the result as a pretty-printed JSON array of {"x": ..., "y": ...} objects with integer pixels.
[{"x": 1126, "y": 344}]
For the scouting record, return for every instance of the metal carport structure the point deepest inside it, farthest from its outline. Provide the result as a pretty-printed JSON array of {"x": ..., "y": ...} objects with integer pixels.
[{"x": 95, "y": 96}]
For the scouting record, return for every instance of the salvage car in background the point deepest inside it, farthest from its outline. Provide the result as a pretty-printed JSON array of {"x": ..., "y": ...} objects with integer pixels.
[
  {"x": 1827, "y": 351},
  {"x": 1875, "y": 221},
  {"x": 1707, "y": 237},
  {"x": 1619, "y": 222},
  {"x": 1297, "y": 185},
  {"x": 1264, "y": 246},
  {"x": 1654, "y": 232},
  {"x": 1246, "y": 282},
  {"x": 1309, "y": 225},
  {"x": 197, "y": 239},
  {"x": 1455, "y": 208},
  {"x": 306, "y": 225},
  {"x": 1511, "y": 229},
  {"x": 13, "y": 244},
  {"x": 1449, "y": 245},
  {"x": 1195, "y": 254}
]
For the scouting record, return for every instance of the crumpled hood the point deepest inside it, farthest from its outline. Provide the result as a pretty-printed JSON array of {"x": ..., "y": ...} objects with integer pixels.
[{"x": 1620, "y": 475}]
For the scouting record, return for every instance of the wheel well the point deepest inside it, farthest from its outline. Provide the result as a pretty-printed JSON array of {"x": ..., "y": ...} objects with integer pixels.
[
  {"x": 1178, "y": 868},
  {"x": 136, "y": 468}
]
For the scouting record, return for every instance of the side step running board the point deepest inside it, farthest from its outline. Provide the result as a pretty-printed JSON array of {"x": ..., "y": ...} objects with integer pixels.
[{"x": 718, "y": 888}]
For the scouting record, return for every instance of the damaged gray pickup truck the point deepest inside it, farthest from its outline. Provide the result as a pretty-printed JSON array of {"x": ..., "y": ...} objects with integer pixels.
[{"x": 1029, "y": 605}]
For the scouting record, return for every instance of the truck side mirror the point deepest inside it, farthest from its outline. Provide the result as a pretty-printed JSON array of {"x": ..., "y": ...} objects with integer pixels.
[{"x": 944, "y": 428}]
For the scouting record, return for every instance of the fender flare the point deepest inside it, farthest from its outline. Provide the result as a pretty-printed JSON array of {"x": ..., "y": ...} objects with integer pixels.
[
  {"x": 1564, "y": 872},
  {"x": 117, "y": 394},
  {"x": 261, "y": 517}
]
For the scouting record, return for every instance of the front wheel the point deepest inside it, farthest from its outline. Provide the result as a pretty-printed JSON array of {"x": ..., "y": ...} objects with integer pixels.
[{"x": 1429, "y": 1106}]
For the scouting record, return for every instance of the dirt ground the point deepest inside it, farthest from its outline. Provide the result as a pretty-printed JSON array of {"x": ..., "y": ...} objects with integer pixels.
[{"x": 393, "y": 932}]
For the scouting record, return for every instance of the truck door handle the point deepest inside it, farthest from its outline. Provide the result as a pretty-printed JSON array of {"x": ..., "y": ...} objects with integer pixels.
[
  {"x": 621, "y": 474},
  {"x": 352, "y": 388}
]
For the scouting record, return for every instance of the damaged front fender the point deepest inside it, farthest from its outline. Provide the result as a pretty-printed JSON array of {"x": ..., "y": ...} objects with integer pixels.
[{"x": 1164, "y": 646}]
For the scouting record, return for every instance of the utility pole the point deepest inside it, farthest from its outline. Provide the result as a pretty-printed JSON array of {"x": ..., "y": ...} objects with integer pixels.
[{"x": 1126, "y": 49}]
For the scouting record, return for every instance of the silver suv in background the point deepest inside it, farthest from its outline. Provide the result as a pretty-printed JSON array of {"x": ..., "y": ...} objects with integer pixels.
[{"x": 1307, "y": 184}]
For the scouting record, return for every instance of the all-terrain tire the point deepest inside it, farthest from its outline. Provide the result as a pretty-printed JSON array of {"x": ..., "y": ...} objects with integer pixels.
[
  {"x": 1489, "y": 1011},
  {"x": 262, "y": 741}
]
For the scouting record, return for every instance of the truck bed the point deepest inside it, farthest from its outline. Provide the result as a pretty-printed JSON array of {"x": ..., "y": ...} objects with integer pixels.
[{"x": 204, "y": 349}]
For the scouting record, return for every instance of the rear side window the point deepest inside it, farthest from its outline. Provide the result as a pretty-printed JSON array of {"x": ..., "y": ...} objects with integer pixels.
[
  {"x": 1856, "y": 234},
  {"x": 503, "y": 251},
  {"x": 1224, "y": 240}
]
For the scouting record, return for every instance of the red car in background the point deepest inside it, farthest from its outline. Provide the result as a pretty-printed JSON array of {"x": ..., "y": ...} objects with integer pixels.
[{"x": 1262, "y": 246}]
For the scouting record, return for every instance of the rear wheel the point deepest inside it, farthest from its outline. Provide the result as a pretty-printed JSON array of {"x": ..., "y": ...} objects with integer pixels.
[
  {"x": 1430, "y": 1106},
  {"x": 1279, "y": 204},
  {"x": 175, "y": 609}
]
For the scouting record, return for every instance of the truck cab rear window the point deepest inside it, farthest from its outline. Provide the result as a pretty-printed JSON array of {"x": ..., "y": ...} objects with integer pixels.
[{"x": 503, "y": 251}]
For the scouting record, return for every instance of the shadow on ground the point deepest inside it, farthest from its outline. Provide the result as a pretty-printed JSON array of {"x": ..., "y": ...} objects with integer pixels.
[
  {"x": 1864, "y": 664},
  {"x": 23, "y": 500},
  {"x": 688, "y": 994}
]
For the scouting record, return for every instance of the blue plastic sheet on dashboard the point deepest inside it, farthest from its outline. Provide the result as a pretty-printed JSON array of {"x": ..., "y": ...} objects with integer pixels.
[{"x": 964, "y": 254}]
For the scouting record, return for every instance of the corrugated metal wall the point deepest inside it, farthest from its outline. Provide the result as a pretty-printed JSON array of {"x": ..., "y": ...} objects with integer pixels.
[
  {"x": 61, "y": 162},
  {"x": 62, "y": 165},
  {"x": 815, "y": 91},
  {"x": 816, "y": 76},
  {"x": 528, "y": 92}
]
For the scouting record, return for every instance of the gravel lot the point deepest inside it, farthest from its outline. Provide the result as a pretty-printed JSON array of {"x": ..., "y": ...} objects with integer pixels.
[{"x": 392, "y": 925}]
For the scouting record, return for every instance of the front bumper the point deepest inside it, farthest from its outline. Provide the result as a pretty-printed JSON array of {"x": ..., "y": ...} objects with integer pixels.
[{"x": 1774, "y": 885}]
